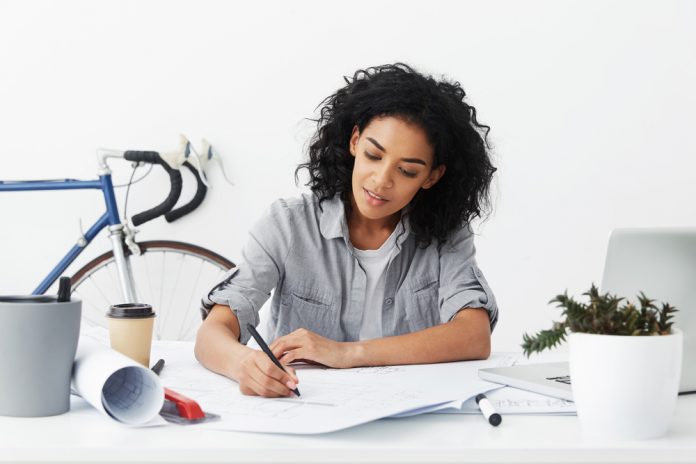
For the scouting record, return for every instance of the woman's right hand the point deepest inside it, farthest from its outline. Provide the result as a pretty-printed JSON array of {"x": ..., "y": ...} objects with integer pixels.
[
  {"x": 258, "y": 375},
  {"x": 218, "y": 349}
]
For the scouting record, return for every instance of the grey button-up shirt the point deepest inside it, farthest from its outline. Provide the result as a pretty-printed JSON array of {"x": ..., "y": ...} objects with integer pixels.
[{"x": 304, "y": 253}]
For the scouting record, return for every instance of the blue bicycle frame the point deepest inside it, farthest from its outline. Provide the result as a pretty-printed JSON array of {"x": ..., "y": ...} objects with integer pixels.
[{"x": 109, "y": 218}]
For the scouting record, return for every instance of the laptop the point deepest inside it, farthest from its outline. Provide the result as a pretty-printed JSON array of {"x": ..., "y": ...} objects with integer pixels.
[{"x": 660, "y": 262}]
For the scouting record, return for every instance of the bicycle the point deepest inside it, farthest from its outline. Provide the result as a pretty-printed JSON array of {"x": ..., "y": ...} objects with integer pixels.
[{"x": 135, "y": 272}]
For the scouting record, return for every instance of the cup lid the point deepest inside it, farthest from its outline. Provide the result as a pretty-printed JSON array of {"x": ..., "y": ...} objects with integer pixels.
[{"x": 135, "y": 310}]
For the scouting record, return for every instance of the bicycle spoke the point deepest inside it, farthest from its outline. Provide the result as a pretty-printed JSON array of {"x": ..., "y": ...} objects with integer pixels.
[
  {"x": 104, "y": 297},
  {"x": 115, "y": 283},
  {"x": 90, "y": 308},
  {"x": 173, "y": 291},
  {"x": 90, "y": 312},
  {"x": 161, "y": 292},
  {"x": 190, "y": 301},
  {"x": 149, "y": 276}
]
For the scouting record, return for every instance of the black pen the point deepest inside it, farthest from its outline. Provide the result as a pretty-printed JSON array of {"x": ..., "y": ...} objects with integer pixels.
[
  {"x": 157, "y": 368},
  {"x": 267, "y": 350}
]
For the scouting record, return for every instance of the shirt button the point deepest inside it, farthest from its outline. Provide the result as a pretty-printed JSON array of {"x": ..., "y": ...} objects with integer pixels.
[{"x": 388, "y": 301}]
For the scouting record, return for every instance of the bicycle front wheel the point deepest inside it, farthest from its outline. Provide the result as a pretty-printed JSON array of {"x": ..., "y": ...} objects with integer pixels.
[{"x": 171, "y": 276}]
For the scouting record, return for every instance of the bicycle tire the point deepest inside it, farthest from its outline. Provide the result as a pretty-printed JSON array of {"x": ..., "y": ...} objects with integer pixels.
[{"x": 177, "y": 317}]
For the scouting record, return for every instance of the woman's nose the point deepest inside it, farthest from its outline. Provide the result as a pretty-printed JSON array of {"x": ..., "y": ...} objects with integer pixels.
[{"x": 382, "y": 177}]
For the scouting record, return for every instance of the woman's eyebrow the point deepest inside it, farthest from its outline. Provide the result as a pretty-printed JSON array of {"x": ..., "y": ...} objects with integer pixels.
[
  {"x": 413, "y": 160},
  {"x": 408, "y": 160},
  {"x": 376, "y": 144}
]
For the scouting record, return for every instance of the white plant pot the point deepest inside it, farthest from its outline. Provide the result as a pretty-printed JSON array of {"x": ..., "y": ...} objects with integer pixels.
[{"x": 625, "y": 387}]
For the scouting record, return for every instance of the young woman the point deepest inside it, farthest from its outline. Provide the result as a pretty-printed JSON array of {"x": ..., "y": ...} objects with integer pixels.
[{"x": 377, "y": 265}]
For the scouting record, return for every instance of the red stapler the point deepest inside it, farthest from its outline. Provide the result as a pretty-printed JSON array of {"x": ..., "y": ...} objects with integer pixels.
[{"x": 181, "y": 409}]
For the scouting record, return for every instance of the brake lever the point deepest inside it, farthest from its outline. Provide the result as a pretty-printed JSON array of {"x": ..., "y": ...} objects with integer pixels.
[
  {"x": 175, "y": 159},
  {"x": 208, "y": 156}
]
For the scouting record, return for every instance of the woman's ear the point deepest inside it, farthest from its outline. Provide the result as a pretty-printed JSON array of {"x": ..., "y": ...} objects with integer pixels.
[
  {"x": 435, "y": 175},
  {"x": 354, "y": 140}
]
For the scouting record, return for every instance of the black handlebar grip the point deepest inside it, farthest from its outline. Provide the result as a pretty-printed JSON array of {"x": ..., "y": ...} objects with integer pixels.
[
  {"x": 174, "y": 179},
  {"x": 195, "y": 202},
  {"x": 151, "y": 157}
]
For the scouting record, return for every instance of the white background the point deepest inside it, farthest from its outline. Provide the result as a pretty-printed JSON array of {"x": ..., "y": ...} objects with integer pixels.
[{"x": 591, "y": 106}]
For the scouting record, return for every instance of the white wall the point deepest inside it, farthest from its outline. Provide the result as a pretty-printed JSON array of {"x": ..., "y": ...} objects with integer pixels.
[{"x": 591, "y": 106}]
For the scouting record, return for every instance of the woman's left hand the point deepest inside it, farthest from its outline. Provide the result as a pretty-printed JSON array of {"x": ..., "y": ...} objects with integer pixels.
[{"x": 304, "y": 345}]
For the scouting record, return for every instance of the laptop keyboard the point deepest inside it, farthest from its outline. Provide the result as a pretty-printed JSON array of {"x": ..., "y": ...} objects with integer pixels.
[{"x": 562, "y": 379}]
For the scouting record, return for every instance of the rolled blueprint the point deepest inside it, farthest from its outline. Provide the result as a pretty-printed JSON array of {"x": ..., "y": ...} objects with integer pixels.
[{"x": 115, "y": 384}]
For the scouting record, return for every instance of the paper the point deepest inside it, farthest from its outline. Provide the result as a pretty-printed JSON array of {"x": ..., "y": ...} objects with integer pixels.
[
  {"x": 509, "y": 400},
  {"x": 116, "y": 385},
  {"x": 332, "y": 399}
]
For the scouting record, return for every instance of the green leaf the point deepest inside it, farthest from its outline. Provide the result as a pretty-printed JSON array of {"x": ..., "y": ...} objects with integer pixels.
[{"x": 604, "y": 314}]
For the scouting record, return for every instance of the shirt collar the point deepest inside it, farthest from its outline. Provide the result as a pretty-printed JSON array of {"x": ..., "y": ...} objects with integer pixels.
[
  {"x": 332, "y": 218},
  {"x": 333, "y": 223}
]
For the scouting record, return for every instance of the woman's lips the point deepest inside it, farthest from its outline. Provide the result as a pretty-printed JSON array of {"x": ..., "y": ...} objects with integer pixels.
[{"x": 373, "y": 200}]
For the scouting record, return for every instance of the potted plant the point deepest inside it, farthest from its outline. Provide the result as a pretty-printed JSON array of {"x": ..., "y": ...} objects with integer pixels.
[{"x": 625, "y": 363}]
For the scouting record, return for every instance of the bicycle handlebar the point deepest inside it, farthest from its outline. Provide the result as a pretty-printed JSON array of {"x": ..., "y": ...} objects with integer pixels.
[
  {"x": 154, "y": 157},
  {"x": 195, "y": 202}
]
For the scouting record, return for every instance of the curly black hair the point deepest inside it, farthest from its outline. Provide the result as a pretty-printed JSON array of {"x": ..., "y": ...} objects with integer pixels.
[{"x": 438, "y": 107}]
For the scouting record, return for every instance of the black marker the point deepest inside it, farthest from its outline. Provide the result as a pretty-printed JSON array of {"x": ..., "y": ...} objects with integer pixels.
[
  {"x": 487, "y": 409},
  {"x": 63, "y": 290},
  {"x": 157, "y": 368},
  {"x": 267, "y": 350}
]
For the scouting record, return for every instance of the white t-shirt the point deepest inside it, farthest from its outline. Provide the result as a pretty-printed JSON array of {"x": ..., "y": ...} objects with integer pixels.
[{"x": 374, "y": 263}]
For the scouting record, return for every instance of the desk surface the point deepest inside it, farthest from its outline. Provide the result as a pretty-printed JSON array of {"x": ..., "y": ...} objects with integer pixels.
[{"x": 83, "y": 435}]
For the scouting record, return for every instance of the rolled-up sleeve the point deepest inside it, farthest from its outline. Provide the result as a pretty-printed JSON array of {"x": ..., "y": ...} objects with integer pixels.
[
  {"x": 462, "y": 284},
  {"x": 248, "y": 286}
]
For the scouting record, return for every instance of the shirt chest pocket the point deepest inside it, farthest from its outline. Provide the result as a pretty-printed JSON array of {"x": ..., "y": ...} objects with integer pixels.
[
  {"x": 422, "y": 307},
  {"x": 308, "y": 307}
]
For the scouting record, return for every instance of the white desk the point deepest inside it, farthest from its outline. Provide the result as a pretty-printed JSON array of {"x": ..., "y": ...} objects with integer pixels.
[{"x": 85, "y": 436}]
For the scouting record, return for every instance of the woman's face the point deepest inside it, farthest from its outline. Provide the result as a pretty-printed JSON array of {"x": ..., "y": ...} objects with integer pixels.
[{"x": 393, "y": 160}]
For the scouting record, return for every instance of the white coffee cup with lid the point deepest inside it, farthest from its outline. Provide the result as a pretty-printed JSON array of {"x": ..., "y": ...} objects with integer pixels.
[{"x": 130, "y": 330}]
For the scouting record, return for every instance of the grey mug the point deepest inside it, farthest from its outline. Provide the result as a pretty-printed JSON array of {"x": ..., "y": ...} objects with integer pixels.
[{"x": 38, "y": 341}]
